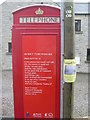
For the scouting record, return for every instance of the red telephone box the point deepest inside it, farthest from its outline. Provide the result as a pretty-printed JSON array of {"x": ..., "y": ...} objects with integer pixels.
[{"x": 36, "y": 52}]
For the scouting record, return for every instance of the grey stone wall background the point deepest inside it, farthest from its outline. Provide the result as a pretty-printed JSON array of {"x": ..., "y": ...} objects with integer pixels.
[
  {"x": 81, "y": 43},
  {"x": 81, "y": 96},
  {"x": 81, "y": 39},
  {"x": 7, "y": 22},
  {"x": 1, "y": 61}
]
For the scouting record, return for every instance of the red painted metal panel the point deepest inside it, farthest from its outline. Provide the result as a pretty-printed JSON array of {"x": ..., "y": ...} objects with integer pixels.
[
  {"x": 28, "y": 38},
  {"x": 39, "y": 75},
  {"x": 30, "y": 11}
]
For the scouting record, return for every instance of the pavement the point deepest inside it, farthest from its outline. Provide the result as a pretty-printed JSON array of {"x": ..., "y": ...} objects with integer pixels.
[
  {"x": 7, "y": 95},
  {"x": 80, "y": 95}
]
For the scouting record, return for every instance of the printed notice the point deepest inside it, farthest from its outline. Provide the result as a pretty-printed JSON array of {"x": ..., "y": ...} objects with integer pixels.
[
  {"x": 69, "y": 70},
  {"x": 37, "y": 72},
  {"x": 39, "y": 75}
]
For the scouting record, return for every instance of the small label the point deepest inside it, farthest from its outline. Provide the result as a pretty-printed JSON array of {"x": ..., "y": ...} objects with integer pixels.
[
  {"x": 37, "y": 115},
  {"x": 50, "y": 115},
  {"x": 68, "y": 13},
  {"x": 27, "y": 114},
  {"x": 45, "y": 115}
]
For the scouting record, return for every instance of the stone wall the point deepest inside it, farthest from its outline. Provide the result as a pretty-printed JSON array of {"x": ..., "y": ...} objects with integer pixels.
[
  {"x": 0, "y": 61},
  {"x": 81, "y": 43},
  {"x": 81, "y": 38},
  {"x": 7, "y": 22}
]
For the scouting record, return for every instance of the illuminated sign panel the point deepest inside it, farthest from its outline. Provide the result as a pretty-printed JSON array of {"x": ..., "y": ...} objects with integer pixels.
[{"x": 39, "y": 20}]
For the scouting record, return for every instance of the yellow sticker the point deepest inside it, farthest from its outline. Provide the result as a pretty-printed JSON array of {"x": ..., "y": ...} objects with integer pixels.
[{"x": 69, "y": 70}]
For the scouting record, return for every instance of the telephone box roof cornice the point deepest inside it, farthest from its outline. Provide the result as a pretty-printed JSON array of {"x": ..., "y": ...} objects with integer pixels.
[{"x": 46, "y": 5}]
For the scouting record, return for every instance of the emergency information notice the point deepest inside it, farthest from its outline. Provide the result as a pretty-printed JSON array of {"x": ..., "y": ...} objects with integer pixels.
[
  {"x": 39, "y": 75},
  {"x": 37, "y": 72}
]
